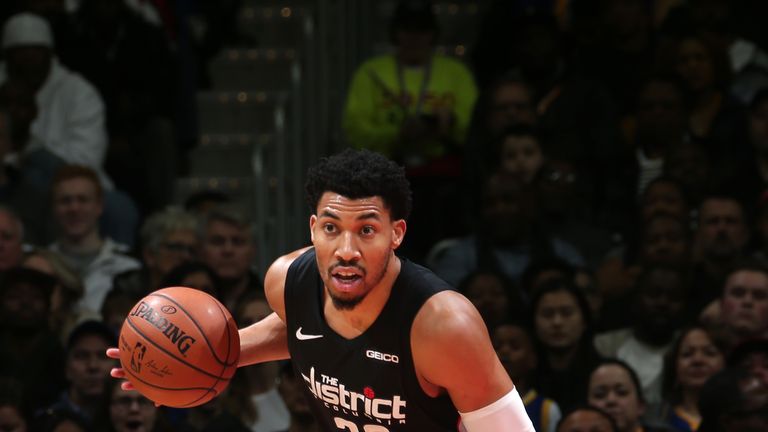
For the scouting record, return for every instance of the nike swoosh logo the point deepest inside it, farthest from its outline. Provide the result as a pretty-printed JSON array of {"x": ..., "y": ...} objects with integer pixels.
[{"x": 301, "y": 336}]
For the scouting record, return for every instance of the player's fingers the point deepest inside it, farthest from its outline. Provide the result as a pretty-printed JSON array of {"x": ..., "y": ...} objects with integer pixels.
[
  {"x": 117, "y": 373},
  {"x": 113, "y": 353},
  {"x": 125, "y": 385}
]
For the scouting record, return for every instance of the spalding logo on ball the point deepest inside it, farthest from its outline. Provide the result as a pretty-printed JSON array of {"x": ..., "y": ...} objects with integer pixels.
[{"x": 179, "y": 347}]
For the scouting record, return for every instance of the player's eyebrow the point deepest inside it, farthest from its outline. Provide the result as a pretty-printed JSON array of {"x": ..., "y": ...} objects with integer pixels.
[
  {"x": 328, "y": 214},
  {"x": 371, "y": 215}
]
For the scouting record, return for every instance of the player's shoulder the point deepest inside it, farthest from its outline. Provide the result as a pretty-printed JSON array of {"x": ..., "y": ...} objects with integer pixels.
[
  {"x": 279, "y": 268},
  {"x": 447, "y": 317}
]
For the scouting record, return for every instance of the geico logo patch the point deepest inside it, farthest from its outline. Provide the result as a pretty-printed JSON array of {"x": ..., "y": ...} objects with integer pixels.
[{"x": 382, "y": 356}]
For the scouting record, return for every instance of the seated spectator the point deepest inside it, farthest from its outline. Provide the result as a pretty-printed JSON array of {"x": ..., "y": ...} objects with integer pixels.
[
  {"x": 11, "y": 238},
  {"x": 13, "y": 416},
  {"x": 733, "y": 401},
  {"x": 87, "y": 369},
  {"x": 66, "y": 293},
  {"x": 253, "y": 394},
  {"x": 517, "y": 354},
  {"x": 508, "y": 235},
  {"x": 130, "y": 63},
  {"x": 563, "y": 338},
  {"x": 168, "y": 239},
  {"x": 16, "y": 190},
  {"x": 128, "y": 411},
  {"x": 77, "y": 199},
  {"x": 494, "y": 296},
  {"x": 194, "y": 274},
  {"x": 751, "y": 355},
  {"x": 519, "y": 152},
  {"x": 660, "y": 236},
  {"x": 695, "y": 356},
  {"x": 228, "y": 247},
  {"x": 742, "y": 310},
  {"x": 29, "y": 350},
  {"x": 614, "y": 387},
  {"x": 657, "y": 311},
  {"x": 413, "y": 105},
  {"x": 70, "y": 120},
  {"x": 291, "y": 390},
  {"x": 587, "y": 418}
]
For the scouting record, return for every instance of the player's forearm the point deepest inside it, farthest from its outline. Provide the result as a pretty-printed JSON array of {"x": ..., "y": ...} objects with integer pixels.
[{"x": 264, "y": 341}]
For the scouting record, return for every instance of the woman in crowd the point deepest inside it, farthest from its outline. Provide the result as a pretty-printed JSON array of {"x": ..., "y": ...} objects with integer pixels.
[{"x": 695, "y": 356}]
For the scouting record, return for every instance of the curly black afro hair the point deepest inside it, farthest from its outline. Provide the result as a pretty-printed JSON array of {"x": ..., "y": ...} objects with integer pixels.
[{"x": 359, "y": 174}]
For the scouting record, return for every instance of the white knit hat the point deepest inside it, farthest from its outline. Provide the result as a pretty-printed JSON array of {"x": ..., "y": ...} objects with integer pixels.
[{"x": 26, "y": 29}]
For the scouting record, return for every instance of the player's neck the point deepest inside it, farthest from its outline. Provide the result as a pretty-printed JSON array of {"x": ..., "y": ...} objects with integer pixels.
[{"x": 350, "y": 323}]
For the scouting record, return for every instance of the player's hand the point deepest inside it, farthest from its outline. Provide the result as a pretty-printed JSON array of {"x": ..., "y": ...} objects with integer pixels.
[{"x": 118, "y": 373}]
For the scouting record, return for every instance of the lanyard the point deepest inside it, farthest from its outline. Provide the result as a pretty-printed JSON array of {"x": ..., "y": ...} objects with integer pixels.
[{"x": 422, "y": 90}]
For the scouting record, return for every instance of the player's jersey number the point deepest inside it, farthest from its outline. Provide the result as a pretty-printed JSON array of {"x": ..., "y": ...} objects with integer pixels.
[{"x": 351, "y": 427}]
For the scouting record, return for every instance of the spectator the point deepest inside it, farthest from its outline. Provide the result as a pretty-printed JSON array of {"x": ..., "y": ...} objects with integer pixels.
[
  {"x": 129, "y": 411},
  {"x": 253, "y": 394},
  {"x": 194, "y": 274},
  {"x": 751, "y": 355},
  {"x": 515, "y": 349},
  {"x": 615, "y": 388},
  {"x": 657, "y": 308},
  {"x": 563, "y": 337},
  {"x": 302, "y": 419},
  {"x": 750, "y": 179},
  {"x": 519, "y": 153},
  {"x": 494, "y": 296},
  {"x": 130, "y": 63},
  {"x": 695, "y": 356},
  {"x": 29, "y": 350},
  {"x": 69, "y": 121},
  {"x": 70, "y": 118},
  {"x": 168, "y": 239},
  {"x": 77, "y": 204},
  {"x": 11, "y": 238},
  {"x": 743, "y": 305},
  {"x": 508, "y": 235},
  {"x": 87, "y": 369},
  {"x": 587, "y": 419},
  {"x": 413, "y": 105},
  {"x": 16, "y": 190},
  {"x": 733, "y": 401},
  {"x": 66, "y": 293},
  {"x": 720, "y": 241},
  {"x": 228, "y": 247},
  {"x": 12, "y": 411}
]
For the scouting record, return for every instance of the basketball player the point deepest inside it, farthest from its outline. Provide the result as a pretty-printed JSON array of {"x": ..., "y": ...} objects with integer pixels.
[{"x": 381, "y": 343}]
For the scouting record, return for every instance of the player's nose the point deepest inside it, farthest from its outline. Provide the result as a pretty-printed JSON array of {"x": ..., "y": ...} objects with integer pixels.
[{"x": 347, "y": 249}]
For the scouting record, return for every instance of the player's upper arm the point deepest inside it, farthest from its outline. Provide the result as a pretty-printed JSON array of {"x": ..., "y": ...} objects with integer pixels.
[
  {"x": 452, "y": 350},
  {"x": 274, "y": 281}
]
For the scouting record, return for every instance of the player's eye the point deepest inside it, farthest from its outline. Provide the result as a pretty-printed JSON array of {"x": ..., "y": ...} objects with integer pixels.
[
  {"x": 367, "y": 230},
  {"x": 329, "y": 228}
]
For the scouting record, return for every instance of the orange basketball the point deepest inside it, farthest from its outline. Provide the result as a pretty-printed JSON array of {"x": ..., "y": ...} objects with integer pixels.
[{"x": 179, "y": 347}]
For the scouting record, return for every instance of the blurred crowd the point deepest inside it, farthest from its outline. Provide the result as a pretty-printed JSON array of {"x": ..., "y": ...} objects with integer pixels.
[{"x": 591, "y": 174}]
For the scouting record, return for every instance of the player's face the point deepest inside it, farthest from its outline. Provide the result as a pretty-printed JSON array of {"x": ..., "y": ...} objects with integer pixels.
[
  {"x": 87, "y": 367},
  {"x": 77, "y": 207},
  {"x": 697, "y": 360},
  {"x": 612, "y": 389},
  {"x": 131, "y": 412},
  {"x": 354, "y": 241}
]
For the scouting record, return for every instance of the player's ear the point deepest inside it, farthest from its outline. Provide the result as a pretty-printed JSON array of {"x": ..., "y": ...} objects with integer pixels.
[
  {"x": 312, "y": 222},
  {"x": 398, "y": 233}
]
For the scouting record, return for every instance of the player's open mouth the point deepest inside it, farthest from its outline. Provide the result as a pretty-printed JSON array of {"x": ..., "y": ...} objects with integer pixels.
[
  {"x": 134, "y": 425},
  {"x": 346, "y": 279}
]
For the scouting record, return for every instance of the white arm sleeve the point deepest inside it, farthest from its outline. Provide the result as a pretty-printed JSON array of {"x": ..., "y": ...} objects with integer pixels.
[{"x": 505, "y": 415}]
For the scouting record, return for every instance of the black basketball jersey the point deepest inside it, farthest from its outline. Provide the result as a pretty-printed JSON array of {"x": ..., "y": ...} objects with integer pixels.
[{"x": 366, "y": 384}]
